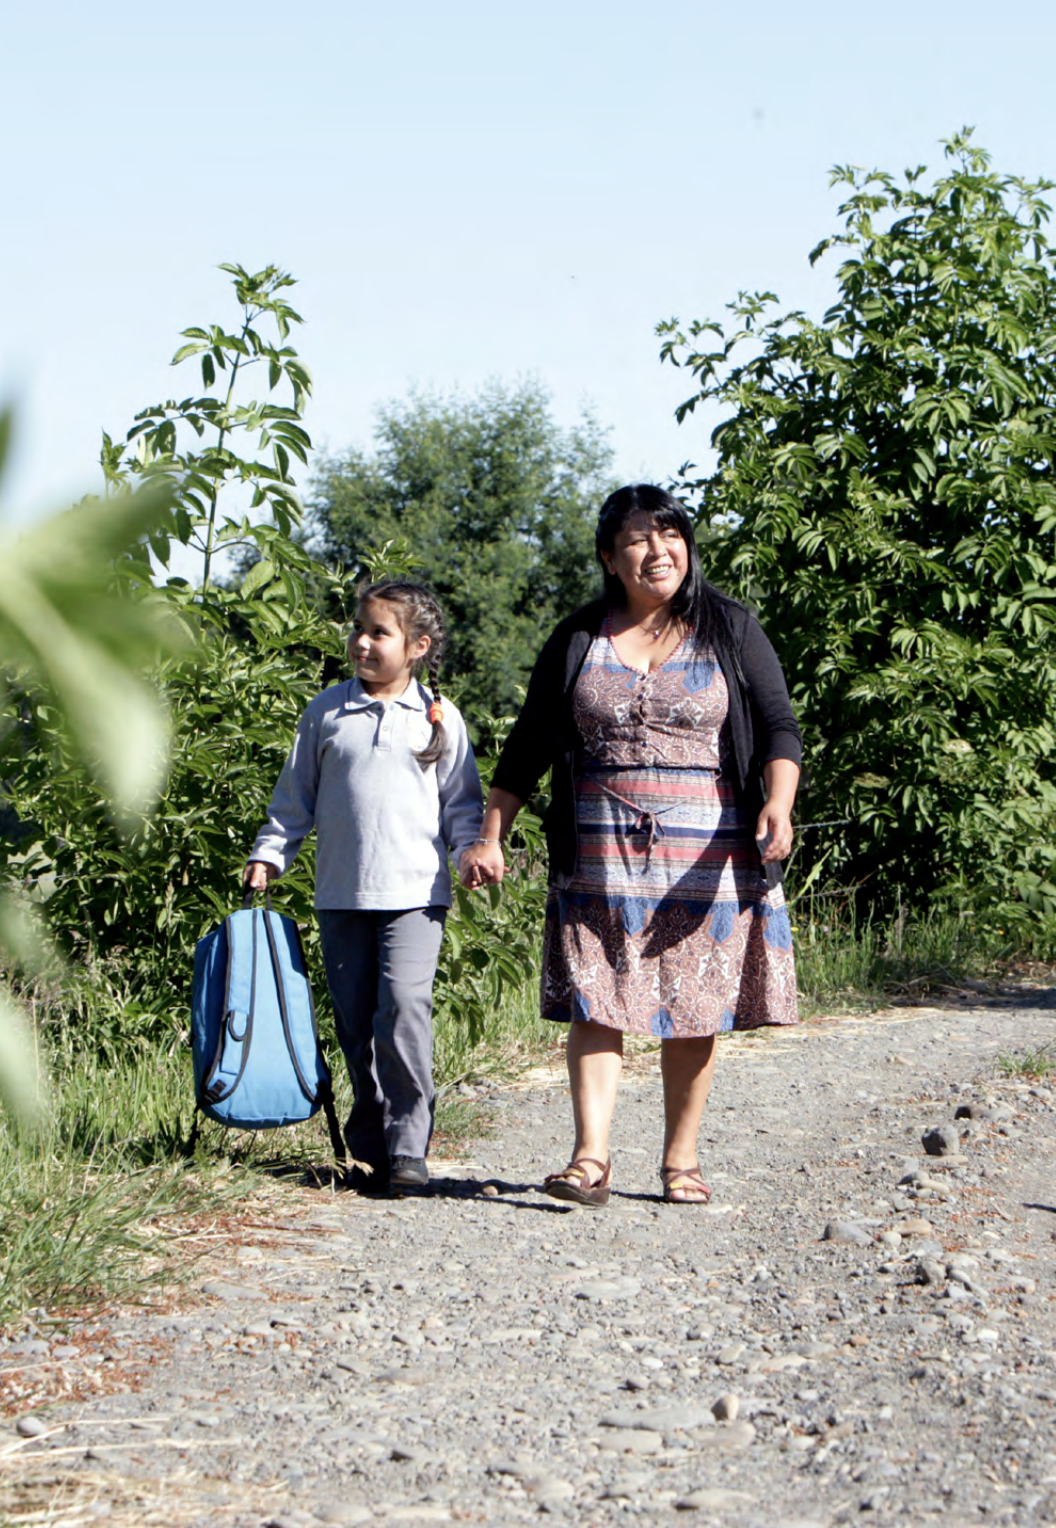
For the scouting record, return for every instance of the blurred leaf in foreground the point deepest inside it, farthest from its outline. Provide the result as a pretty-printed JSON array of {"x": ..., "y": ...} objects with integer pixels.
[{"x": 73, "y": 624}]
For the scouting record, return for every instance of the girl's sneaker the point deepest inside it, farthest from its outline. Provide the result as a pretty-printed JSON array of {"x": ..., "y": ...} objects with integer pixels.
[{"x": 408, "y": 1172}]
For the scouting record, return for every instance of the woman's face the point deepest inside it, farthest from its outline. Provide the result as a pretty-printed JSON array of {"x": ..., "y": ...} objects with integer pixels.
[{"x": 649, "y": 562}]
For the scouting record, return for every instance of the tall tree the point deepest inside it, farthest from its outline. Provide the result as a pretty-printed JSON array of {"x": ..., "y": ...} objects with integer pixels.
[
  {"x": 884, "y": 493},
  {"x": 252, "y": 662},
  {"x": 258, "y": 649},
  {"x": 498, "y": 505}
]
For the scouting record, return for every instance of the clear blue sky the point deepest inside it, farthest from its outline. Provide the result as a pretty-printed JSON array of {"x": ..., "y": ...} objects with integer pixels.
[{"x": 463, "y": 189}]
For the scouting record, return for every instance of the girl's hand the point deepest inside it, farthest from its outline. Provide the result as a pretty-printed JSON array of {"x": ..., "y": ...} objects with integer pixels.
[
  {"x": 257, "y": 874},
  {"x": 773, "y": 833},
  {"x": 482, "y": 865}
]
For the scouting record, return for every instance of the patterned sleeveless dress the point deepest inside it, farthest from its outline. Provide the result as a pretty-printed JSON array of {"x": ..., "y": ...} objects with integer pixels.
[{"x": 669, "y": 927}]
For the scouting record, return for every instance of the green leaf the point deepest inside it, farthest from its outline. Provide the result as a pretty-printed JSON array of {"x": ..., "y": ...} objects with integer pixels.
[
  {"x": 58, "y": 619},
  {"x": 260, "y": 573},
  {"x": 19, "y": 1083}
]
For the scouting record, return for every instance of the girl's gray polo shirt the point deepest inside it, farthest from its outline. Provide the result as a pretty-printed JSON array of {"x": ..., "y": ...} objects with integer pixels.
[{"x": 384, "y": 825}]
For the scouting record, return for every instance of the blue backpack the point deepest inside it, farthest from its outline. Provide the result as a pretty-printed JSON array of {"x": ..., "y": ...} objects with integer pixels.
[{"x": 255, "y": 1042}]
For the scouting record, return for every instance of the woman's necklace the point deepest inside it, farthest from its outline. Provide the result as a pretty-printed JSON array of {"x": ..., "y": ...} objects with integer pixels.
[{"x": 656, "y": 632}]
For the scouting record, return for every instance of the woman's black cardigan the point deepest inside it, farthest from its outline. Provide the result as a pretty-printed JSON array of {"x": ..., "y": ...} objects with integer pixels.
[{"x": 544, "y": 736}]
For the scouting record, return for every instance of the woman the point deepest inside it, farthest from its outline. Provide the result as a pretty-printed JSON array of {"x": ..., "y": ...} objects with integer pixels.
[{"x": 663, "y": 712}]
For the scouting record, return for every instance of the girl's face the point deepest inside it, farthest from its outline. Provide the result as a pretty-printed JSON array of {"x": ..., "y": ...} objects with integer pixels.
[
  {"x": 649, "y": 561},
  {"x": 378, "y": 647}
]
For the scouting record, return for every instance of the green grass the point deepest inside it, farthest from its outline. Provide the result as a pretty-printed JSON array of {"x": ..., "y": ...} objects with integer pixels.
[
  {"x": 514, "y": 1036},
  {"x": 90, "y": 1192},
  {"x": 842, "y": 964},
  {"x": 1028, "y": 1063},
  {"x": 513, "y": 1032},
  {"x": 75, "y": 1234},
  {"x": 96, "y": 1194},
  {"x": 85, "y": 1189}
]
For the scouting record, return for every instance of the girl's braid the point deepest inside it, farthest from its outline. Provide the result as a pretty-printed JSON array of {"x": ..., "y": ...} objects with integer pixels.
[
  {"x": 435, "y": 746},
  {"x": 420, "y": 616}
]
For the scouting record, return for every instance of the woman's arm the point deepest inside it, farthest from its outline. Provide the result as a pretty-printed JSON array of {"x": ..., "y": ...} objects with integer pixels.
[
  {"x": 773, "y": 831},
  {"x": 526, "y": 755},
  {"x": 777, "y": 731},
  {"x": 778, "y": 741},
  {"x": 483, "y": 864},
  {"x": 534, "y": 739}
]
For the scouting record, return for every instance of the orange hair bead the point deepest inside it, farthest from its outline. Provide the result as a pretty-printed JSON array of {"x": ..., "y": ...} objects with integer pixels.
[{"x": 436, "y": 713}]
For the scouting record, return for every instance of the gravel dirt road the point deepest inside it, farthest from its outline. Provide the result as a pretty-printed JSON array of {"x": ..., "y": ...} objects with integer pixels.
[{"x": 853, "y": 1331}]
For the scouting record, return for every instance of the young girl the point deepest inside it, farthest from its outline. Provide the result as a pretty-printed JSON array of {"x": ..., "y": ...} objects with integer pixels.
[{"x": 385, "y": 774}]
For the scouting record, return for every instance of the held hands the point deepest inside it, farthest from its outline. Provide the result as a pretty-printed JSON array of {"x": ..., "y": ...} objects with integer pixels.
[
  {"x": 257, "y": 874},
  {"x": 482, "y": 864}
]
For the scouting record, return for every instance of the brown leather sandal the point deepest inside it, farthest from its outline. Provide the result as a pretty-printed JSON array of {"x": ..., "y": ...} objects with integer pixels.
[
  {"x": 684, "y": 1181},
  {"x": 573, "y": 1183}
]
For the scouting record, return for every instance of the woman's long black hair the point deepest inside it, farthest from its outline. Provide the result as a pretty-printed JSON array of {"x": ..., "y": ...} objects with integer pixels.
[{"x": 698, "y": 605}]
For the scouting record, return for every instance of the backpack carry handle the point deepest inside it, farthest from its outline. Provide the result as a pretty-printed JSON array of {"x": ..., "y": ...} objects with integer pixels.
[{"x": 248, "y": 894}]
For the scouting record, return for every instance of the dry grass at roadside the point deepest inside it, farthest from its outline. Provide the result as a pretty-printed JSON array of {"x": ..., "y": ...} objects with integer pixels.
[
  {"x": 1039, "y": 1062},
  {"x": 71, "y": 1499}
]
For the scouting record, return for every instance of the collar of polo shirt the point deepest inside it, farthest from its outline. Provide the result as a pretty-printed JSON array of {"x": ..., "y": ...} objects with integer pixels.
[{"x": 359, "y": 699}]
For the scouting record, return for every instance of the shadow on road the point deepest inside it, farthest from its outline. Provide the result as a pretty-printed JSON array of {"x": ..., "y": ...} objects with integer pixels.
[{"x": 975, "y": 994}]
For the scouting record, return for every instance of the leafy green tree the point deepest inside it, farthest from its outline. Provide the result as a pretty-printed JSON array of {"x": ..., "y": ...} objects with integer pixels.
[
  {"x": 256, "y": 656},
  {"x": 884, "y": 494},
  {"x": 163, "y": 440},
  {"x": 261, "y": 649},
  {"x": 497, "y": 504}
]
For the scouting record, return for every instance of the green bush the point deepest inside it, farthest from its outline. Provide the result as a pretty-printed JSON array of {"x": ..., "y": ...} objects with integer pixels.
[
  {"x": 884, "y": 495},
  {"x": 133, "y": 904}
]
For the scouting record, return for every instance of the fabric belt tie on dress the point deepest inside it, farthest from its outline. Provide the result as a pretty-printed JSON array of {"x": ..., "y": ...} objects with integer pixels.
[{"x": 646, "y": 820}]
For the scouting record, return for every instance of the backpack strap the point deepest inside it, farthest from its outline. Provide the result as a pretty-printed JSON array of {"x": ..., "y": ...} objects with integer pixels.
[
  {"x": 236, "y": 1030},
  {"x": 337, "y": 1142},
  {"x": 324, "y": 1092},
  {"x": 284, "y": 1009},
  {"x": 326, "y": 1086}
]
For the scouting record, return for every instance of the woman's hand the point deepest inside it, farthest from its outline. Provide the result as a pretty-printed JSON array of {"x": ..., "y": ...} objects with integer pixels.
[
  {"x": 257, "y": 874},
  {"x": 482, "y": 865},
  {"x": 773, "y": 834},
  {"x": 773, "y": 831}
]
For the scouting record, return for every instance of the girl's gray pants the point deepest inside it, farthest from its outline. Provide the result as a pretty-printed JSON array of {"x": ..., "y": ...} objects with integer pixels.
[{"x": 380, "y": 968}]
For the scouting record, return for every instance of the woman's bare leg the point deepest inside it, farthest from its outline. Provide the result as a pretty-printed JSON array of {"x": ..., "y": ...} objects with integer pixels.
[
  {"x": 595, "y": 1061},
  {"x": 687, "y": 1067}
]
